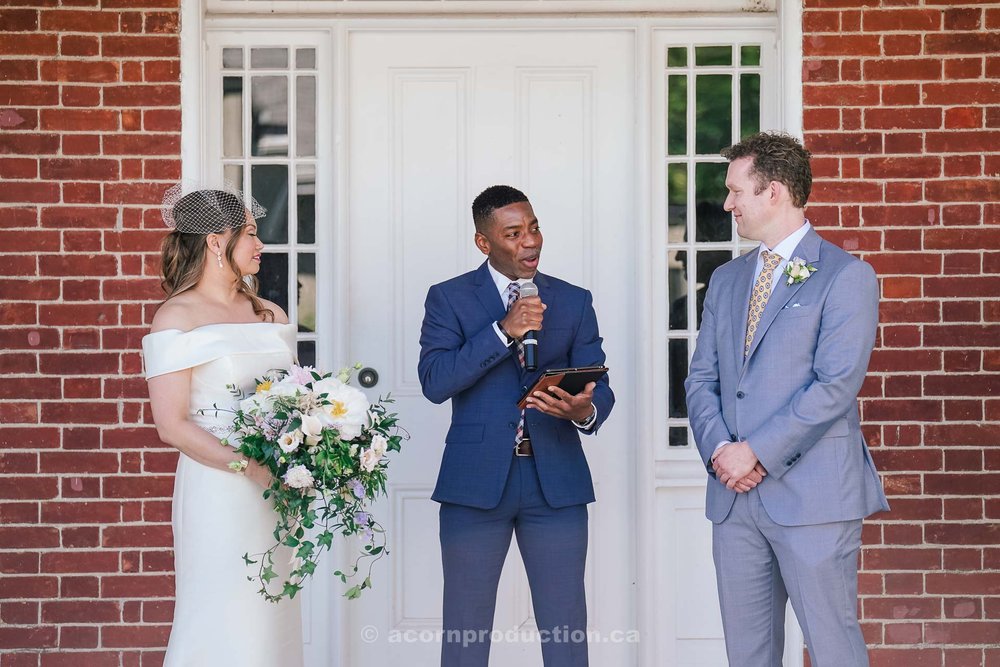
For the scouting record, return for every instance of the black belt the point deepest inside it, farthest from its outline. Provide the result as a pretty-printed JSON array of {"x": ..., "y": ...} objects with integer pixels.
[{"x": 523, "y": 448}]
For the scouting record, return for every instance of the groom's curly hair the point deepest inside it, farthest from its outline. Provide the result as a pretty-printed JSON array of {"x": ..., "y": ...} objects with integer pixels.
[
  {"x": 492, "y": 198},
  {"x": 776, "y": 157}
]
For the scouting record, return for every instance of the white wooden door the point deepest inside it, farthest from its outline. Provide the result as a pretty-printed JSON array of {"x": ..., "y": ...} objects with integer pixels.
[{"x": 434, "y": 117}]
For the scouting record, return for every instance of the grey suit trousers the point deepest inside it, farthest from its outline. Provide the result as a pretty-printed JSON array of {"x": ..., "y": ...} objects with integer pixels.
[{"x": 761, "y": 564}]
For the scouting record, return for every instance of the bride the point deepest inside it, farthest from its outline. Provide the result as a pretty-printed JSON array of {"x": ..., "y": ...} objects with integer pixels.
[{"x": 213, "y": 331}]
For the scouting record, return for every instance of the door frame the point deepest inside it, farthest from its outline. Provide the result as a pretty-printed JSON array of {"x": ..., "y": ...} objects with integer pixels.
[{"x": 194, "y": 22}]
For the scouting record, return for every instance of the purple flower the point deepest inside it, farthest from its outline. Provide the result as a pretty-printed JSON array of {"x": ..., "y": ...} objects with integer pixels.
[
  {"x": 361, "y": 518},
  {"x": 357, "y": 488}
]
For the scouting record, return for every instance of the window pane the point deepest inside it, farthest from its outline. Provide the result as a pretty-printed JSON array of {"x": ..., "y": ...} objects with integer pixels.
[
  {"x": 677, "y": 56},
  {"x": 711, "y": 221},
  {"x": 305, "y": 115},
  {"x": 676, "y": 202},
  {"x": 233, "y": 173},
  {"x": 269, "y": 117},
  {"x": 269, "y": 186},
  {"x": 232, "y": 58},
  {"x": 307, "y": 292},
  {"x": 678, "y": 359},
  {"x": 272, "y": 58},
  {"x": 232, "y": 116},
  {"x": 677, "y": 291},
  {"x": 713, "y": 55},
  {"x": 714, "y": 113},
  {"x": 305, "y": 195},
  {"x": 273, "y": 277},
  {"x": 676, "y": 114},
  {"x": 750, "y": 55},
  {"x": 306, "y": 58},
  {"x": 749, "y": 104},
  {"x": 307, "y": 353},
  {"x": 708, "y": 261},
  {"x": 678, "y": 436}
]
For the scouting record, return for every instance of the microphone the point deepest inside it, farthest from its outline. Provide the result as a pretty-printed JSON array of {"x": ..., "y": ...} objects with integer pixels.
[{"x": 530, "y": 340}]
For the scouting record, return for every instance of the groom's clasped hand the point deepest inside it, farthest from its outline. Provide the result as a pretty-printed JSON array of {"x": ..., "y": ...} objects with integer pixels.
[{"x": 737, "y": 467}]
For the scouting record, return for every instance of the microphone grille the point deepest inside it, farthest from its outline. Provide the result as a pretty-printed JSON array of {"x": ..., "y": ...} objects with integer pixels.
[{"x": 528, "y": 289}]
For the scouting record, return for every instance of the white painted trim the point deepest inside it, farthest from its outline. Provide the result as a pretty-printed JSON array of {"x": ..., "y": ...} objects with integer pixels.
[
  {"x": 473, "y": 7},
  {"x": 790, "y": 54},
  {"x": 647, "y": 615},
  {"x": 192, "y": 89}
]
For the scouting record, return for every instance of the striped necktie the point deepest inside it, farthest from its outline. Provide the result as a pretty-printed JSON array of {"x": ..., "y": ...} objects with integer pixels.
[{"x": 513, "y": 292}]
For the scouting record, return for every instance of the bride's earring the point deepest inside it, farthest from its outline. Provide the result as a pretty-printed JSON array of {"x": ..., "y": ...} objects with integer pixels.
[{"x": 218, "y": 256}]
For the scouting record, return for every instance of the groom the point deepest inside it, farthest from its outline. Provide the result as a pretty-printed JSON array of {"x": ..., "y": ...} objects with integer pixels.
[
  {"x": 505, "y": 470},
  {"x": 785, "y": 338}
]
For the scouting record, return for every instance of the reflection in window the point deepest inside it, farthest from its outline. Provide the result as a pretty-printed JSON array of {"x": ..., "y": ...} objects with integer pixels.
[
  {"x": 273, "y": 277},
  {"x": 305, "y": 194},
  {"x": 269, "y": 186},
  {"x": 306, "y": 281},
  {"x": 269, "y": 115},
  {"x": 712, "y": 222}
]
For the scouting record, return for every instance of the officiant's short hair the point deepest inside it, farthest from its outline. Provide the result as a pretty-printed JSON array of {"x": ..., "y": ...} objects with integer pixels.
[
  {"x": 492, "y": 198},
  {"x": 777, "y": 156}
]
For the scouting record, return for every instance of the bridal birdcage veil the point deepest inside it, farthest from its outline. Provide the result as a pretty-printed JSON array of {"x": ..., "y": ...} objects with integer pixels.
[{"x": 191, "y": 209}]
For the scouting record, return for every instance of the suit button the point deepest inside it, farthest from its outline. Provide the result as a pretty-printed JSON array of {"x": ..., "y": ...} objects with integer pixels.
[
  {"x": 524, "y": 389},
  {"x": 733, "y": 437},
  {"x": 740, "y": 395}
]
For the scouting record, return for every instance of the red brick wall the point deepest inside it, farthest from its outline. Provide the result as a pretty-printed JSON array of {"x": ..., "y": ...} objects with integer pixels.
[
  {"x": 902, "y": 109},
  {"x": 89, "y": 121},
  {"x": 901, "y": 102}
]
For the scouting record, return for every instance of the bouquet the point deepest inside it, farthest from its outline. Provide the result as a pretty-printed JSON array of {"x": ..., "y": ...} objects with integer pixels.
[{"x": 325, "y": 445}]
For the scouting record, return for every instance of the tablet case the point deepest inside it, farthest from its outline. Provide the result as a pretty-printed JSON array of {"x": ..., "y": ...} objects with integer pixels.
[{"x": 570, "y": 380}]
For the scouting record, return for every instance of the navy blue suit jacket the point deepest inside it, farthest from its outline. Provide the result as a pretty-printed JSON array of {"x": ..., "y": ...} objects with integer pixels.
[{"x": 463, "y": 359}]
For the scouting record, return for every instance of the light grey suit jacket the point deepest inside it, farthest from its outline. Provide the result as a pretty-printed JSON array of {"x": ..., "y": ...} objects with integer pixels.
[{"x": 794, "y": 398}]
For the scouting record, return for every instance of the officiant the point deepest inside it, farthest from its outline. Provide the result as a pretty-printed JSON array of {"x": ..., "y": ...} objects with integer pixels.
[{"x": 508, "y": 471}]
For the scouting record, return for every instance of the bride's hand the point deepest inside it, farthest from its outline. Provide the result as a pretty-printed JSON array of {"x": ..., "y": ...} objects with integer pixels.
[{"x": 259, "y": 475}]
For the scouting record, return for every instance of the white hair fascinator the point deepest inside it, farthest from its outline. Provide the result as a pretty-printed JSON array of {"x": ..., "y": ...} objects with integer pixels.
[{"x": 190, "y": 209}]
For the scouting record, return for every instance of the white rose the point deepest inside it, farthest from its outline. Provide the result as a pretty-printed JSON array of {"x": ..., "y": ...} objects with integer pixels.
[
  {"x": 299, "y": 477},
  {"x": 347, "y": 410},
  {"x": 255, "y": 403},
  {"x": 290, "y": 441},
  {"x": 312, "y": 426},
  {"x": 379, "y": 445},
  {"x": 369, "y": 459}
]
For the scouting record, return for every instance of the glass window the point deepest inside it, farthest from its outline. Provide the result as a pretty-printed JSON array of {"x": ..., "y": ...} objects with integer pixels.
[
  {"x": 269, "y": 148},
  {"x": 702, "y": 83}
]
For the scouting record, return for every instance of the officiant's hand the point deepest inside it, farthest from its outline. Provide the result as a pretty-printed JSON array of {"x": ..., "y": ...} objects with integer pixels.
[
  {"x": 557, "y": 402},
  {"x": 524, "y": 316}
]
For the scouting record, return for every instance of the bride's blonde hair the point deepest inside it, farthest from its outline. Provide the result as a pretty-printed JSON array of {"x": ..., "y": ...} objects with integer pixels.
[{"x": 183, "y": 252}]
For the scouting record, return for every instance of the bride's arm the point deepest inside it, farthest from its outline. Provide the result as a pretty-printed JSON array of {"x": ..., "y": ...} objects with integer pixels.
[{"x": 169, "y": 397}]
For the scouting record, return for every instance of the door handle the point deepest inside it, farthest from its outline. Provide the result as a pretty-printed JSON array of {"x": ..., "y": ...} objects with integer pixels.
[{"x": 368, "y": 377}]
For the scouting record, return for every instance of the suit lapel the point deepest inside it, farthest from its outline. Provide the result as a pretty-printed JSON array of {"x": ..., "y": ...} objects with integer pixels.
[
  {"x": 486, "y": 291},
  {"x": 807, "y": 249},
  {"x": 741, "y": 303}
]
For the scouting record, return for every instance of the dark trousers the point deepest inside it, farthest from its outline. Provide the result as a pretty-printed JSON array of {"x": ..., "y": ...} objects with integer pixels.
[{"x": 553, "y": 545}]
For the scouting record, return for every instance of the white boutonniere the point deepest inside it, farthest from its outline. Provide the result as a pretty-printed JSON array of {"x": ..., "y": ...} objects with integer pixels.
[{"x": 798, "y": 271}]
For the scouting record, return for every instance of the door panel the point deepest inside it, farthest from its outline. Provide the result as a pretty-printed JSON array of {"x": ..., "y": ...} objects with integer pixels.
[{"x": 434, "y": 118}]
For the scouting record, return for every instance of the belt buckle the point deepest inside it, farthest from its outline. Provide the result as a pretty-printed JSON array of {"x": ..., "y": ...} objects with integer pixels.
[{"x": 517, "y": 448}]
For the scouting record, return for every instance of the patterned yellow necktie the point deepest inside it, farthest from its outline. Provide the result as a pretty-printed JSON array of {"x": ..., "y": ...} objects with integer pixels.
[{"x": 761, "y": 293}]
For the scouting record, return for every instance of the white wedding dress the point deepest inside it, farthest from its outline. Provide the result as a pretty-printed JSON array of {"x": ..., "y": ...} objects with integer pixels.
[{"x": 219, "y": 618}]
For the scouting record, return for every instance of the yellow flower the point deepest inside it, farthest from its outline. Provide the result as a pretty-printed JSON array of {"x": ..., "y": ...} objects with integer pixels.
[
  {"x": 337, "y": 410},
  {"x": 264, "y": 386}
]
